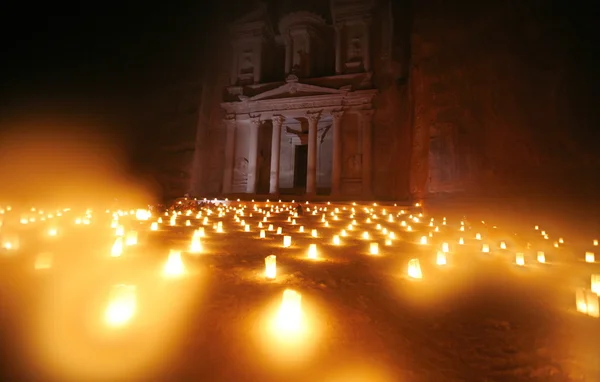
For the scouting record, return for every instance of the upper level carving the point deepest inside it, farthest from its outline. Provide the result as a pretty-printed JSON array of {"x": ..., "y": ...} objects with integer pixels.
[{"x": 302, "y": 43}]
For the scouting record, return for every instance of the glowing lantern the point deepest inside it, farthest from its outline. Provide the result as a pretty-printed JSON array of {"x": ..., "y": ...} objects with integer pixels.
[
  {"x": 121, "y": 306},
  {"x": 159, "y": 220},
  {"x": 43, "y": 261},
  {"x": 271, "y": 228},
  {"x": 441, "y": 258},
  {"x": 117, "y": 248},
  {"x": 502, "y": 245},
  {"x": 336, "y": 240},
  {"x": 477, "y": 236},
  {"x": 262, "y": 233},
  {"x": 287, "y": 241},
  {"x": 174, "y": 265},
  {"x": 388, "y": 242},
  {"x": 120, "y": 231},
  {"x": 520, "y": 259},
  {"x": 289, "y": 317},
  {"x": 279, "y": 230},
  {"x": 131, "y": 238},
  {"x": 587, "y": 302},
  {"x": 312, "y": 251},
  {"x": 374, "y": 248},
  {"x": 173, "y": 220},
  {"x": 595, "y": 243},
  {"x": 596, "y": 284},
  {"x": 188, "y": 223},
  {"x": 590, "y": 257},
  {"x": 414, "y": 269},
  {"x": 365, "y": 235},
  {"x": 271, "y": 266},
  {"x": 423, "y": 240},
  {"x": 154, "y": 226},
  {"x": 196, "y": 245},
  {"x": 485, "y": 248},
  {"x": 541, "y": 257},
  {"x": 314, "y": 233},
  {"x": 301, "y": 229},
  {"x": 561, "y": 240},
  {"x": 142, "y": 214},
  {"x": 247, "y": 228},
  {"x": 462, "y": 228}
]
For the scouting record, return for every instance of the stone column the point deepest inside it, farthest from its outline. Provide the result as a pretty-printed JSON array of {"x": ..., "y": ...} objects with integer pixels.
[
  {"x": 230, "y": 125},
  {"x": 275, "y": 154},
  {"x": 367, "y": 132},
  {"x": 338, "y": 48},
  {"x": 311, "y": 175},
  {"x": 367, "y": 45},
  {"x": 336, "y": 164},
  {"x": 253, "y": 155}
]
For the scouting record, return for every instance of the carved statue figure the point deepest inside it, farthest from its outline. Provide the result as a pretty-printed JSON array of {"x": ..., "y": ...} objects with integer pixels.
[
  {"x": 240, "y": 172},
  {"x": 355, "y": 49},
  {"x": 354, "y": 166},
  {"x": 246, "y": 66}
]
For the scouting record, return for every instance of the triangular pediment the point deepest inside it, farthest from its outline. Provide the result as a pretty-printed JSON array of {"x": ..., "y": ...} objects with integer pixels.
[{"x": 296, "y": 89}]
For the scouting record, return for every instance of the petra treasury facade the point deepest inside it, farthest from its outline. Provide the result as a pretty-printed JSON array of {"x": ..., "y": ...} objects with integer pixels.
[{"x": 310, "y": 98}]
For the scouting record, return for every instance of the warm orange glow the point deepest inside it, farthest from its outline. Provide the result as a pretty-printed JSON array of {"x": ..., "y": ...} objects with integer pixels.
[
  {"x": 414, "y": 269},
  {"x": 287, "y": 241},
  {"x": 336, "y": 240},
  {"x": 271, "y": 266},
  {"x": 595, "y": 282},
  {"x": 441, "y": 258},
  {"x": 131, "y": 238},
  {"x": 312, "y": 251},
  {"x": 520, "y": 259},
  {"x": 121, "y": 306},
  {"x": 43, "y": 260},
  {"x": 174, "y": 266},
  {"x": 423, "y": 240},
  {"x": 262, "y": 234},
  {"x": 587, "y": 302},
  {"x": 289, "y": 316},
  {"x": 154, "y": 226},
  {"x": 485, "y": 248},
  {"x": 117, "y": 248},
  {"x": 374, "y": 248},
  {"x": 196, "y": 245},
  {"x": 502, "y": 245},
  {"x": 590, "y": 257},
  {"x": 541, "y": 257}
]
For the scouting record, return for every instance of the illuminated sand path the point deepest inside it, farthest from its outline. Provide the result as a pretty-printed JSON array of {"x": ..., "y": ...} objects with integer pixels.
[{"x": 341, "y": 292}]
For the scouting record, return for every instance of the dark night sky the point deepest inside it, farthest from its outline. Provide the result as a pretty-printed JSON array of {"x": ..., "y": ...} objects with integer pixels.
[{"x": 97, "y": 53}]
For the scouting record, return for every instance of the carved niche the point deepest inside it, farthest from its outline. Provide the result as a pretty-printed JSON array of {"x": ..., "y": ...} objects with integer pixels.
[
  {"x": 443, "y": 158},
  {"x": 353, "y": 166}
]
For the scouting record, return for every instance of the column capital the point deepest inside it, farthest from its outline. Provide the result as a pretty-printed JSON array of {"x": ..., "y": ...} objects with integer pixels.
[
  {"x": 278, "y": 120},
  {"x": 255, "y": 120},
  {"x": 313, "y": 116},
  {"x": 229, "y": 120},
  {"x": 337, "y": 114}
]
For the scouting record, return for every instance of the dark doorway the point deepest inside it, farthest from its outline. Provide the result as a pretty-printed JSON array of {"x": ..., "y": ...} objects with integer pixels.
[{"x": 300, "y": 165}]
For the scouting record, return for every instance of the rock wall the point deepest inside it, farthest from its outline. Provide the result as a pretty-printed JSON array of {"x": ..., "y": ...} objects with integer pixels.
[{"x": 494, "y": 87}]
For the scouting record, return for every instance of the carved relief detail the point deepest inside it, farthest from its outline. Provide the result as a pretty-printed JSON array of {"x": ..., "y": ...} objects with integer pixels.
[
  {"x": 240, "y": 174},
  {"x": 353, "y": 164}
]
